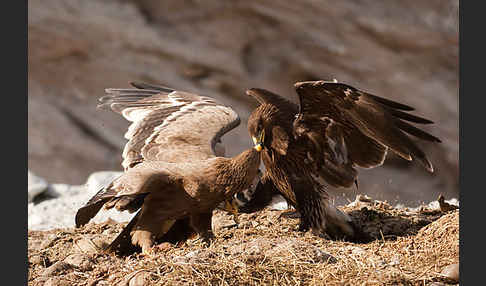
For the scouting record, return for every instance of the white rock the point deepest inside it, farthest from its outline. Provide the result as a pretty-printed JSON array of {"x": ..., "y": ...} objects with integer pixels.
[
  {"x": 278, "y": 203},
  {"x": 453, "y": 201},
  {"x": 434, "y": 205},
  {"x": 35, "y": 186},
  {"x": 99, "y": 180},
  {"x": 60, "y": 211}
]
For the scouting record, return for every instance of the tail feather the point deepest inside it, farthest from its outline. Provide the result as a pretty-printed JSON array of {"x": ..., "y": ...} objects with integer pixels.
[
  {"x": 86, "y": 213},
  {"x": 107, "y": 197},
  {"x": 337, "y": 224}
]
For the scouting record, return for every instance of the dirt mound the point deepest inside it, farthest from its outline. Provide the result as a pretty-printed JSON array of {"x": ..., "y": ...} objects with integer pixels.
[{"x": 410, "y": 248}]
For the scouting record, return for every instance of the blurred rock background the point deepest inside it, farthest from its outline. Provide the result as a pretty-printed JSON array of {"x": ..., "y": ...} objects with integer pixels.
[{"x": 403, "y": 50}]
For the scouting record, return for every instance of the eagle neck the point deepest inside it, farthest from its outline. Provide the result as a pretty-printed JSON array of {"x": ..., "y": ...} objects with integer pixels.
[{"x": 238, "y": 172}]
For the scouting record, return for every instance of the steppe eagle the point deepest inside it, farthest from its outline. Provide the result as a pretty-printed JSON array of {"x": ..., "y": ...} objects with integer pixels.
[
  {"x": 171, "y": 170},
  {"x": 335, "y": 129}
]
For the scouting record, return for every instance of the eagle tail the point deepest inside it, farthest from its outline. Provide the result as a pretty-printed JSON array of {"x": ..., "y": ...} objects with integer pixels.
[
  {"x": 93, "y": 206},
  {"x": 336, "y": 223},
  {"x": 107, "y": 197},
  {"x": 131, "y": 203}
]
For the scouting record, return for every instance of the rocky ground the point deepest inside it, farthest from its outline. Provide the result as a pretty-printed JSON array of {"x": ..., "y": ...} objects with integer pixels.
[{"x": 410, "y": 247}]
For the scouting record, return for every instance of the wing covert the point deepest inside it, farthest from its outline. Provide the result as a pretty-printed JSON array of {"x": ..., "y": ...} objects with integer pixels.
[
  {"x": 168, "y": 125},
  {"x": 348, "y": 122}
]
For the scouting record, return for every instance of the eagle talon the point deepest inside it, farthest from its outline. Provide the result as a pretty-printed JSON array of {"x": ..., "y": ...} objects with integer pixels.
[
  {"x": 148, "y": 251},
  {"x": 231, "y": 206},
  {"x": 303, "y": 227}
]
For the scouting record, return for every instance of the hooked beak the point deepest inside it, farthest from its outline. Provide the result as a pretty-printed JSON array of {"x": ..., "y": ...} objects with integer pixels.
[{"x": 259, "y": 141}]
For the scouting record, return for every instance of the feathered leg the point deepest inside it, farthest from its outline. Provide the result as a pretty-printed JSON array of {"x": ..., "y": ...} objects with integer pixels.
[
  {"x": 180, "y": 231},
  {"x": 231, "y": 206},
  {"x": 147, "y": 229},
  {"x": 202, "y": 224},
  {"x": 319, "y": 214}
]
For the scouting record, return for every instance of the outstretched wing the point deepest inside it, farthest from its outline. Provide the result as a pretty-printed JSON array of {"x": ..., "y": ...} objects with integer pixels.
[
  {"x": 346, "y": 127},
  {"x": 168, "y": 125}
]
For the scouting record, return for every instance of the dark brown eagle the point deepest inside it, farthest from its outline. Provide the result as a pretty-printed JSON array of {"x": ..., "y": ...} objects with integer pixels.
[
  {"x": 335, "y": 129},
  {"x": 171, "y": 170}
]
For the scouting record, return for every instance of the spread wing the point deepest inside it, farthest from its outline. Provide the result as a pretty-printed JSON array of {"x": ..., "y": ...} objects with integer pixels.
[
  {"x": 168, "y": 125},
  {"x": 346, "y": 127}
]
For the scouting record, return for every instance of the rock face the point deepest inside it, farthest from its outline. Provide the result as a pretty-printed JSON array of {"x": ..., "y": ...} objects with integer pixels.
[{"x": 403, "y": 50}]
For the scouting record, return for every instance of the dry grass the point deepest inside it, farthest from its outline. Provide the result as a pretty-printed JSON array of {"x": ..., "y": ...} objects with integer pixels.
[{"x": 411, "y": 249}]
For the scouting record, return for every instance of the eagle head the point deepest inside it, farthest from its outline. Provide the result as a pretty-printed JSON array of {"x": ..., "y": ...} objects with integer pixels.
[
  {"x": 257, "y": 133},
  {"x": 259, "y": 125}
]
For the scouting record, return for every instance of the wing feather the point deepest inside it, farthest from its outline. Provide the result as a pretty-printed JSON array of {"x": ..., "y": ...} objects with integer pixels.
[
  {"x": 370, "y": 124},
  {"x": 168, "y": 125},
  {"x": 128, "y": 191}
]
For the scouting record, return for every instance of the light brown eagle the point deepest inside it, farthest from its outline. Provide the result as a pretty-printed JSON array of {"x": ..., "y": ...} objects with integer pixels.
[
  {"x": 171, "y": 170},
  {"x": 335, "y": 129}
]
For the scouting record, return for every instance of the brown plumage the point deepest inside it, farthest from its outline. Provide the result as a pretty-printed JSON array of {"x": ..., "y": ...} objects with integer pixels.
[
  {"x": 335, "y": 129},
  {"x": 172, "y": 174}
]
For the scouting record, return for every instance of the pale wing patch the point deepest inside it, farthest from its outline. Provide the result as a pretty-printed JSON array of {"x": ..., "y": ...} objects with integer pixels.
[
  {"x": 193, "y": 132},
  {"x": 135, "y": 114},
  {"x": 187, "y": 108},
  {"x": 339, "y": 150},
  {"x": 335, "y": 141},
  {"x": 169, "y": 125}
]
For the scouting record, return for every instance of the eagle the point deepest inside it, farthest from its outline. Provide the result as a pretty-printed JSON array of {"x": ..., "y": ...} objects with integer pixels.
[
  {"x": 322, "y": 141},
  {"x": 171, "y": 170}
]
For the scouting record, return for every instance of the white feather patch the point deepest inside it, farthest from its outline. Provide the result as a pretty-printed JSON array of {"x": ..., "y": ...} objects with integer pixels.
[
  {"x": 131, "y": 129},
  {"x": 169, "y": 118},
  {"x": 134, "y": 114}
]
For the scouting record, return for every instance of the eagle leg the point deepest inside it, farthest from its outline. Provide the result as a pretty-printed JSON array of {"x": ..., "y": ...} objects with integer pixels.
[
  {"x": 201, "y": 222},
  {"x": 147, "y": 230},
  {"x": 166, "y": 226},
  {"x": 319, "y": 214},
  {"x": 231, "y": 206},
  {"x": 144, "y": 239},
  {"x": 304, "y": 225}
]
